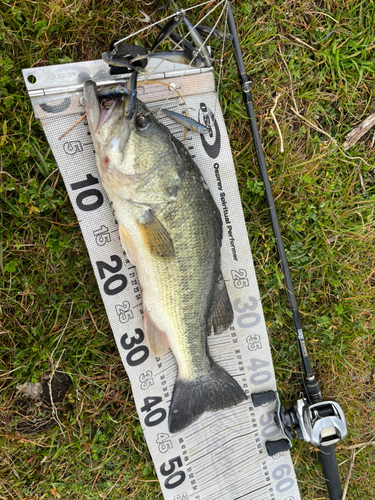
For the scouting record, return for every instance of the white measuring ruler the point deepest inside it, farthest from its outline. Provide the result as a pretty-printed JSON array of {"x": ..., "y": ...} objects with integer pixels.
[{"x": 222, "y": 456}]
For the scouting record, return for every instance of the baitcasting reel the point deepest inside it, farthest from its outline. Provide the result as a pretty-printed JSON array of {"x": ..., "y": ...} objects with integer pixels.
[{"x": 321, "y": 424}]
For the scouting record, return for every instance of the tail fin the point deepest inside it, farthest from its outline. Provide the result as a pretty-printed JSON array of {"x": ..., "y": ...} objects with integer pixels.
[{"x": 212, "y": 392}]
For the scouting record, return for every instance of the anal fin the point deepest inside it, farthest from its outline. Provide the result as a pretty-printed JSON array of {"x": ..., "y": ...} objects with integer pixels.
[
  {"x": 155, "y": 236},
  {"x": 156, "y": 338}
]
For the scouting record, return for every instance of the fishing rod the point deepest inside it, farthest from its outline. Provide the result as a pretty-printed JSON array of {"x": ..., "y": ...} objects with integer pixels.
[{"x": 322, "y": 423}]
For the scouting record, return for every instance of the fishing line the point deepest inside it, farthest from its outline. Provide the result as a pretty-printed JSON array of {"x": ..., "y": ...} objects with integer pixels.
[
  {"x": 184, "y": 38},
  {"x": 154, "y": 24},
  {"x": 184, "y": 73},
  {"x": 167, "y": 85},
  {"x": 222, "y": 52},
  {"x": 179, "y": 43}
]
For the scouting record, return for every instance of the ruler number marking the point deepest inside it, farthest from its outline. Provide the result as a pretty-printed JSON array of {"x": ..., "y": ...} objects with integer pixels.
[
  {"x": 259, "y": 377},
  {"x": 132, "y": 356},
  {"x": 240, "y": 278},
  {"x": 284, "y": 484},
  {"x": 146, "y": 380},
  {"x": 270, "y": 428},
  {"x": 253, "y": 342},
  {"x": 156, "y": 416},
  {"x": 169, "y": 483},
  {"x": 88, "y": 206},
  {"x": 112, "y": 279},
  {"x": 113, "y": 269},
  {"x": 244, "y": 317},
  {"x": 90, "y": 181},
  {"x": 163, "y": 442},
  {"x": 72, "y": 147},
  {"x": 124, "y": 312}
]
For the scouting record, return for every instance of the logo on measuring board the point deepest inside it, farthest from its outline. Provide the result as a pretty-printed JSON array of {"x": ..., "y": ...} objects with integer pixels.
[
  {"x": 72, "y": 147},
  {"x": 56, "y": 108},
  {"x": 211, "y": 141}
]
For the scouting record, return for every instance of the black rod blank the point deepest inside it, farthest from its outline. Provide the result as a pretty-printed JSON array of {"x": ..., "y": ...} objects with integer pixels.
[
  {"x": 246, "y": 92},
  {"x": 313, "y": 393}
]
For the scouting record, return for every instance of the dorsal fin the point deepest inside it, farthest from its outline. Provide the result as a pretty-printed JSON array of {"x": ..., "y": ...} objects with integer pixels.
[{"x": 222, "y": 314}]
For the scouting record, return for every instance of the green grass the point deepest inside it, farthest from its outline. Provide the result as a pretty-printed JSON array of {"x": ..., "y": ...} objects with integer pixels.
[{"x": 320, "y": 54}]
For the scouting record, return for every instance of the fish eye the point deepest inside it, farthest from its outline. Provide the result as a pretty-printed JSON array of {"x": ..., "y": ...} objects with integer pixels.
[{"x": 142, "y": 121}]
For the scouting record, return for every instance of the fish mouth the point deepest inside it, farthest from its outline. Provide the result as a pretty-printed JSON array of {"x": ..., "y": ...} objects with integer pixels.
[
  {"x": 122, "y": 94},
  {"x": 100, "y": 105},
  {"x": 106, "y": 112}
]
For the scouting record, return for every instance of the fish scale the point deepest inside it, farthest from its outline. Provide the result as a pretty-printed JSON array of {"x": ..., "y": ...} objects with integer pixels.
[{"x": 188, "y": 283}]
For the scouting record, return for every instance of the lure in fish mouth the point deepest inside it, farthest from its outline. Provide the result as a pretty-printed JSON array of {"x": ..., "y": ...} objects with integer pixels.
[{"x": 171, "y": 230}]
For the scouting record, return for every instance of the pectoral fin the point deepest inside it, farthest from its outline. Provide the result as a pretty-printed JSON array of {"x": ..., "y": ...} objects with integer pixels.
[
  {"x": 156, "y": 338},
  {"x": 155, "y": 236}
]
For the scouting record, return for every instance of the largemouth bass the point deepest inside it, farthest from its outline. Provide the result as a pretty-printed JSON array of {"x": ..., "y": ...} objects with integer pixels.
[{"x": 171, "y": 230}]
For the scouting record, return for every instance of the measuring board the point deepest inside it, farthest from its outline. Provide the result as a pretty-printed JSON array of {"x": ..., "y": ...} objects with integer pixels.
[{"x": 221, "y": 456}]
